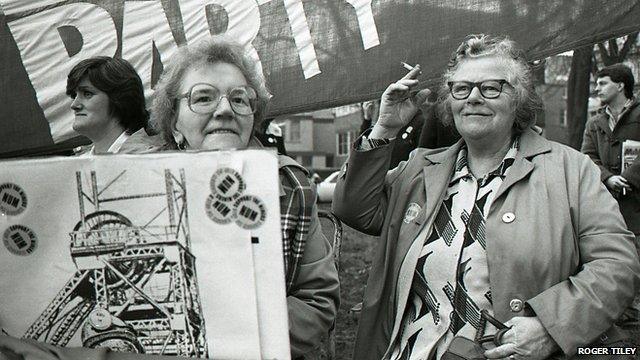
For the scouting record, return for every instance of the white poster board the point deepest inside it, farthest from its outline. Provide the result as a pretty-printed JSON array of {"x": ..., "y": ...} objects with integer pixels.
[
  {"x": 630, "y": 151},
  {"x": 172, "y": 253}
]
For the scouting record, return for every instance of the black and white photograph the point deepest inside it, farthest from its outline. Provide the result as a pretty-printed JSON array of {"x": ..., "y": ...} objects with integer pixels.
[{"x": 319, "y": 179}]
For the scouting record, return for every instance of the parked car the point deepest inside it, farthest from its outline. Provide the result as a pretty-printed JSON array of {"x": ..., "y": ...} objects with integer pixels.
[{"x": 327, "y": 186}]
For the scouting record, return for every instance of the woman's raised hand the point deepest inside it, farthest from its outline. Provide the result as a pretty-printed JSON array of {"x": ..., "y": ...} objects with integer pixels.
[{"x": 398, "y": 106}]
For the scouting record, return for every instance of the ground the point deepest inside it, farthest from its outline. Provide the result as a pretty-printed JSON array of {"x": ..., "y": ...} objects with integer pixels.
[{"x": 355, "y": 261}]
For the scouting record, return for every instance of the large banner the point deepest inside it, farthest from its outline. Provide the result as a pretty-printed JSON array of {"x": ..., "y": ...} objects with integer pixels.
[
  {"x": 314, "y": 53},
  {"x": 172, "y": 254}
]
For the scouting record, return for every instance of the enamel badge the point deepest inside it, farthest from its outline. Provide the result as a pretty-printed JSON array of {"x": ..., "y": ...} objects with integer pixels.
[{"x": 412, "y": 212}]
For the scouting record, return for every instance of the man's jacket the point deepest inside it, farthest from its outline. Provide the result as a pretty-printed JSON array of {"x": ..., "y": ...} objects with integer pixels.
[{"x": 604, "y": 147}]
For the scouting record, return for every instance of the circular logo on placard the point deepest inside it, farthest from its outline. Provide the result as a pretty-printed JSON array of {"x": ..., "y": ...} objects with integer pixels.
[
  {"x": 20, "y": 240},
  {"x": 249, "y": 212},
  {"x": 100, "y": 319},
  {"x": 218, "y": 210},
  {"x": 227, "y": 184},
  {"x": 13, "y": 200}
]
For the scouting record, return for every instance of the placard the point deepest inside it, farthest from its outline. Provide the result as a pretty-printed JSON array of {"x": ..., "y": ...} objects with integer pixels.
[{"x": 171, "y": 253}]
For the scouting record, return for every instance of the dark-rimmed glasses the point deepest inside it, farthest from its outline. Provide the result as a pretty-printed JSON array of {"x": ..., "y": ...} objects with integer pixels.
[
  {"x": 205, "y": 98},
  {"x": 489, "y": 89}
]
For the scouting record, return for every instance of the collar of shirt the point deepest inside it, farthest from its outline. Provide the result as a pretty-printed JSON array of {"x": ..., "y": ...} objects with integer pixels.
[
  {"x": 462, "y": 168},
  {"x": 613, "y": 120},
  {"x": 115, "y": 147}
]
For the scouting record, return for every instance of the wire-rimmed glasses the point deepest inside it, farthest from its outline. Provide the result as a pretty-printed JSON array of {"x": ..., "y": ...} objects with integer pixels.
[{"x": 204, "y": 99}]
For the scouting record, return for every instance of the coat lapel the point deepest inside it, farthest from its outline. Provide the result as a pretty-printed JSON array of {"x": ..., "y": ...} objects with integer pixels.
[
  {"x": 434, "y": 177},
  {"x": 518, "y": 171},
  {"x": 602, "y": 122},
  {"x": 531, "y": 144},
  {"x": 437, "y": 174},
  {"x": 629, "y": 115}
]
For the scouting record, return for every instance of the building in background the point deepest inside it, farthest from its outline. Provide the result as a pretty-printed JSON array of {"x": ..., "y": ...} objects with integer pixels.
[{"x": 320, "y": 140}]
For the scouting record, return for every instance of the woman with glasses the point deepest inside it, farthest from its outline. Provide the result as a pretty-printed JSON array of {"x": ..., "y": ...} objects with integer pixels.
[
  {"x": 212, "y": 96},
  {"x": 502, "y": 225}
]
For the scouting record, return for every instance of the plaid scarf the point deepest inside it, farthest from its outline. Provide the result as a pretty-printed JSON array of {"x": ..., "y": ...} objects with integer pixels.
[
  {"x": 297, "y": 199},
  {"x": 296, "y": 204}
]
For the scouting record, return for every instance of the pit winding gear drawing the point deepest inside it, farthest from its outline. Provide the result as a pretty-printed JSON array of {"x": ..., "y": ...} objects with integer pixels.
[{"x": 135, "y": 288}]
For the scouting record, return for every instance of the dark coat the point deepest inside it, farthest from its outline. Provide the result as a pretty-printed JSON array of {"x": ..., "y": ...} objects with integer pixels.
[{"x": 604, "y": 147}]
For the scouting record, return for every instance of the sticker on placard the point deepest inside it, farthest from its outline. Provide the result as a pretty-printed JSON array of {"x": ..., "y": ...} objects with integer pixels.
[
  {"x": 20, "y": 240},
  {"x": 218, "y": 210},
  {"x": 13, "y": 200},
  {"x": 227, "y": 184},
  {"x": 249, "y": 212}
]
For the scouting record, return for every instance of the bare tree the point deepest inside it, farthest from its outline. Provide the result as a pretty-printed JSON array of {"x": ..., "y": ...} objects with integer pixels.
[
  {"x": 578, "y": 94},
  {"x": 612, "y": 53}
]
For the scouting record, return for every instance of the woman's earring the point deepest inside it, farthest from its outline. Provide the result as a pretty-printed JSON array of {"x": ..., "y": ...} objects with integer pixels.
[{"x": 180, "y": 140}]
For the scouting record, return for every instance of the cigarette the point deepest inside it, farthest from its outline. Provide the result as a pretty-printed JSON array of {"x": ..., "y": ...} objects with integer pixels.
[{"x": 406, "y": 66}]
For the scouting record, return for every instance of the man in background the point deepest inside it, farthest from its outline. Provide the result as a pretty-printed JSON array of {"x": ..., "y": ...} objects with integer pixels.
[{"x": 616, "y": 122}]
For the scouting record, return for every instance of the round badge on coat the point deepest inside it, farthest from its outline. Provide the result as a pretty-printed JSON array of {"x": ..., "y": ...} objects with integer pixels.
[
  {"x": 508, "y": 217},
  {"x": 412, "y": 212}
]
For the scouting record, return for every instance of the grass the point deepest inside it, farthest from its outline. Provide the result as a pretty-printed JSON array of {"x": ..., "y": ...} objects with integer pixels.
[{"x": 355, "y": 261}]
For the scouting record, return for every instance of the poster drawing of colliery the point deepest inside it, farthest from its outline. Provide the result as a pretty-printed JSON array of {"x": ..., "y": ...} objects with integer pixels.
[
  {"x": 142, "y": 255},
  {"x": 136, "y": 286}
]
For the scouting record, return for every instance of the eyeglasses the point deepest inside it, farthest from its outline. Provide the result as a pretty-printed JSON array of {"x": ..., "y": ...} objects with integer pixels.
[
  {"x": 489, "y": 89},
  {"x": 205, "y": 98}
]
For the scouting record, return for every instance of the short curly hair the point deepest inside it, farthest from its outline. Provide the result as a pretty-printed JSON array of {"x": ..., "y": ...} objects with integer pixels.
[
  {"x": 211, "y": 50},
  {"x": 527, "y": 101},
  {"x": 122, "y": 84}
]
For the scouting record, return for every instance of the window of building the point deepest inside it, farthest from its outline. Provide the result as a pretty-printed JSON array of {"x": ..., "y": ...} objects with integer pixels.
[
  {"x": 293, "y": 132},
  {"x": 563, "y": 118},
  {"x": 346, "y": 110},
  {"x": 343, "y": 143}
]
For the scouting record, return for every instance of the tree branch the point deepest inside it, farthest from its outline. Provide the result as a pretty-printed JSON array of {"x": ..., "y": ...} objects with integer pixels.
[
  {"x": 604, "y": 54},
  {"x": 628, "y": 45},
  {"x": 613, "y": 48}
]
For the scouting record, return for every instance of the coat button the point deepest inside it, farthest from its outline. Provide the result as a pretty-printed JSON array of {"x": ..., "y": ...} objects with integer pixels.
[
  {"x": 515, "y": 305},
  {"x": 508, "y": 217}
]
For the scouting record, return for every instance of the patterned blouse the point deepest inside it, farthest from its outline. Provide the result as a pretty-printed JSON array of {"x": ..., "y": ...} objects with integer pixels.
[{"x": 451, "y": 281}]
